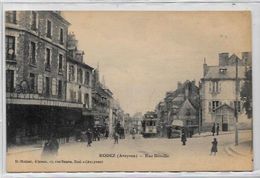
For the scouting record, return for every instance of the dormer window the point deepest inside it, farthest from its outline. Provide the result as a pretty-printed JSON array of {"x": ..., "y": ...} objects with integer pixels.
[{"x": 222, "y": 70}]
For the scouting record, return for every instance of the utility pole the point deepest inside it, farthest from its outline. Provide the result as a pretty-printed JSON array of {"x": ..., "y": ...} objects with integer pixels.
[{"x": 236, "y": 104}]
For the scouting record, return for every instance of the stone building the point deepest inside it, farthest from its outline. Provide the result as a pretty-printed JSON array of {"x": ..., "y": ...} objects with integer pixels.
[
  {"x": 102, "y": 99},
  {"x": 79, "y": 82},
  {"x": 219, "y": 94},
  {"x": 179, "y": 106},
  {"x": 35, "y": 52}
]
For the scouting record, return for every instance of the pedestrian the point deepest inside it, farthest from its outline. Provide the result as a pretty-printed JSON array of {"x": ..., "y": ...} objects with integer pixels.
[
  {"x": 217, "y": 128},
  {"x": 132, "y": 132},
  {"x": 183, "y": 138},
  {"x": 106, "y": 133},
  {"x": 94, "y": 134},
  {"x": 213, "y": 129},
  {"x": 97, "y": 134},
  {"x": 89, "y": 137},
  {"x": 214, "y": 148},
  {"x": 169, "y": 132},
  {"x": 54, "y": 145},
  {"x": 116, "y": 136}
]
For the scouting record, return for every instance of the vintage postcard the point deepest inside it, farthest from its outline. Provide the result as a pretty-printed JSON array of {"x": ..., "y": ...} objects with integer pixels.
[{"x": 95, "y": 91}]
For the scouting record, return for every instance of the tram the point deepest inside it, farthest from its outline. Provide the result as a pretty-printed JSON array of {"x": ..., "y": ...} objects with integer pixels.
[{"x": 149, "y": 124}]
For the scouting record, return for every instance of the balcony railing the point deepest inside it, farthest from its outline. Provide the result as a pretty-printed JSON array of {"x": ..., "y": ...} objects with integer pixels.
[
  {"x": 11, "y": 57},
  {"x": 36, "y": 99}
]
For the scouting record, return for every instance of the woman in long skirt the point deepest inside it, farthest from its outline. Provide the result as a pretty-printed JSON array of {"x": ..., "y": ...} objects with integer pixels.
[{"x": 214, "y": 148}]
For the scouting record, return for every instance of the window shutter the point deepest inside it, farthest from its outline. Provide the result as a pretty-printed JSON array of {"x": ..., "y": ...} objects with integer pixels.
[
  {"x": 210, "y": 106},
  {"x": 54, "y": 86},
  {"x": 40, "y": 84},
  {"x": 210, "y": 87}
]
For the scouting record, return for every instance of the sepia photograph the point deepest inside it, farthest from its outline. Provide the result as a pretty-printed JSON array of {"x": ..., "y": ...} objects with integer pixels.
[{"x": 132, "y": 91}]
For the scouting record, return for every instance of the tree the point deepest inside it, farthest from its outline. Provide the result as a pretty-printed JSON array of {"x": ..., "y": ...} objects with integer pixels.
[{"x": 246, "y": 93}]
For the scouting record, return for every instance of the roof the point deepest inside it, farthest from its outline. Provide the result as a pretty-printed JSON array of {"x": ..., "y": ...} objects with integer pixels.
[
  {"x": 213, "y": 72},
  {"x": 224, "y": 105},
  {"x": 79, "y": 63}
]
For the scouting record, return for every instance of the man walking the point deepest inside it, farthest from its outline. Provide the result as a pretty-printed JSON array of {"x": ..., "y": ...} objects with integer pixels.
[
  {"x": 213, "y": 129},
  {"x": 89, "y": 138},
  {"x": 217, "y": 128},
  {"x": 183, "y": 137}
]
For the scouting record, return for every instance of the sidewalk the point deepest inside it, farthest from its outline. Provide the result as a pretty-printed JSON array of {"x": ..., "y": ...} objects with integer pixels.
[
  {"x": 243, "y": 149},
  {"x": 207, "y": 134},
  {"x": 33, "y": 147}
]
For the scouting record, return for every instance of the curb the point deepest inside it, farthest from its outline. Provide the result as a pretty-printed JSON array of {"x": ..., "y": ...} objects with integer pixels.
[{"x": 233, "y": 152}]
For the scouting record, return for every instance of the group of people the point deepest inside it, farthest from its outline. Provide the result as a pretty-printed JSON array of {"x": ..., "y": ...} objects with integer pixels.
[
  {"x": 215, "y": 129},
  {"x": 214, "y": 148}
]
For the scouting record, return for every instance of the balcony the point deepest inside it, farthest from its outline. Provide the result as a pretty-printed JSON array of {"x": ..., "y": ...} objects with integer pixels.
[
  {"x": 36, "y": 99},
  {"x": 11, "y": 58}
]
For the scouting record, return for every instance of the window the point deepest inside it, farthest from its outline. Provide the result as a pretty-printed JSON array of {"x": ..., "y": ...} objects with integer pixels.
[
  {"x": 215, "y": 104},
  {"x": 61, "y": 36},
  {"x": 79, "y": 76},
  {"x": 10, "y": 47},
  {"x": 48, "y": 59},
  {"x": 32, "y": 84},
  {"x": 10, "y": 17},
  {"x": 33, "y": 53},
  {"x": 87, "y": 77},
  {"x": 34, "y": 21},
  {"x": 9, "y": 81},
  {"x": 79, "y": 97},
  {"x": 73, "y": 96},
  {"x": 210, "y": 107},
  {"x": 214, "y": 87},
  {"x": 60, "y": 62},
  {"x": 47, "y": 84},
  {"x": 86, "y": 100},
  {"x": 60, "y": 88},
  {"x": 70, "y": 53},
  {"x": 71, "y": 73},
  {"x": 49, "y": 29},
  {"x": 237, "y": 106}
]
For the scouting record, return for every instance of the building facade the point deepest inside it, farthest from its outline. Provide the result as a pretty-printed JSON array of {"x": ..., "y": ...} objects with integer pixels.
[
  {"x": 35, "y": 52},
  {"x": 220, "y": 91},
  {"x": 179, "y": 106},
  {"x": 102, "y": 99},
  {"x": 79, "y": 82}
]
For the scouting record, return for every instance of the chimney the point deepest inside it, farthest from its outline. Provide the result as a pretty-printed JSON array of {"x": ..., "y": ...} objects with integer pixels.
[
  {"x": 247, "y": 58},
  {"x": 179, "y": 85},
  {"x": 223, "y": 59},
  {"x": 205, "y": 68}
]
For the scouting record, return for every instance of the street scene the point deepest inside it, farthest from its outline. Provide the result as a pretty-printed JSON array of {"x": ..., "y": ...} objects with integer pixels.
[{"x": 128, "y": 91}]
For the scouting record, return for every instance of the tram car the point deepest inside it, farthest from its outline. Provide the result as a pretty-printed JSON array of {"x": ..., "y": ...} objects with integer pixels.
[{"x": 149, "y": 125}]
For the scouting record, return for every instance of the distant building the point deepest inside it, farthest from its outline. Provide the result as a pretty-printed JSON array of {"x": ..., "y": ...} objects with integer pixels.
[
  {"x": 218, "y": 91},
  {"x": 181, "y": 105},
  {"x": 102, "y": 99}
]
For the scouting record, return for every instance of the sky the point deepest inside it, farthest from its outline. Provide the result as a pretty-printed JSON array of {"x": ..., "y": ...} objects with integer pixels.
[{"x": 143, "y": 54}]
